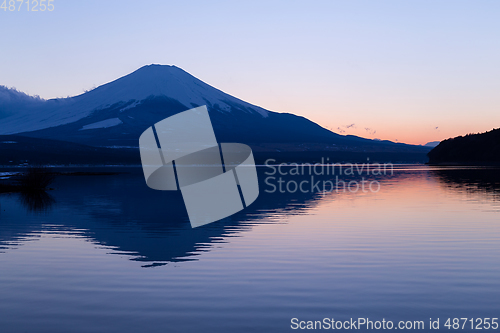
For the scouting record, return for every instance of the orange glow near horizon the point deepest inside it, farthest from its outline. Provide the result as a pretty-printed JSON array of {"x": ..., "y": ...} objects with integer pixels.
[{"x": 398, "y": 123}]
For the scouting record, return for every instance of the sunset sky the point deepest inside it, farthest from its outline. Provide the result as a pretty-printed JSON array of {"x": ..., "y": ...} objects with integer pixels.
[{"x": 411, "y": 71}]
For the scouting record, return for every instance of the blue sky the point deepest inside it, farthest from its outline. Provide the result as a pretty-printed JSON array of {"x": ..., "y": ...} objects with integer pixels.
[{"x": 412, "y": 71}]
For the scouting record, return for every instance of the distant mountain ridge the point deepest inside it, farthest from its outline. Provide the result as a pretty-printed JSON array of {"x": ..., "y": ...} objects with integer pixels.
[
  {"x": 432, "y": 144},
  {"x": 116, "y": 113},
  {"x": 469, "y": 149}
]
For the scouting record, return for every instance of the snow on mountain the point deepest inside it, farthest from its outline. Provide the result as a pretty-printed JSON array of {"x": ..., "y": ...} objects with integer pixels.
[
  {"x": 147, "y": 81},
  {"x": 102, "y": 124}
]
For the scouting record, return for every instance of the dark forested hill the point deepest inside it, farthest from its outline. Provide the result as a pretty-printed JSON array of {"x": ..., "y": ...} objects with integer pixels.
[{"x": 469, "y": 149}]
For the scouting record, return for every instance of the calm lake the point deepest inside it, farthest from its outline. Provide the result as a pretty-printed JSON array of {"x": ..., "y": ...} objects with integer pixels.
[{"x": 108, "y": 254}]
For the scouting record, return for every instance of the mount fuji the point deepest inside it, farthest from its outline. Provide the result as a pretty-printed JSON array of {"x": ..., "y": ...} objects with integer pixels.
[{"x": 115, "y": 114}]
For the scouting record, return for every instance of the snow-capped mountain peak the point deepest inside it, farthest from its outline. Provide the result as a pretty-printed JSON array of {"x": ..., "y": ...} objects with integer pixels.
[{"x": 163, "y": 80}]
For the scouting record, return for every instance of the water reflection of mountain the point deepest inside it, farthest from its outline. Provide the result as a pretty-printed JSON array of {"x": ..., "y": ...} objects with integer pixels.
[{"x": 122, "y": 213}]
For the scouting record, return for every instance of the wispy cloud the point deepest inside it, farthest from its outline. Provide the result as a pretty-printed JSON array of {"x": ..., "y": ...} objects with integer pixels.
[
  {"x": 343, "y": 128},
  {"x": 12, "y": 100},
  {"x": 370, "y": 131}
]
